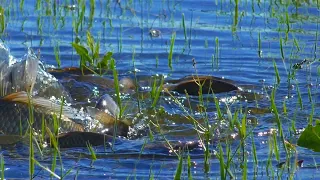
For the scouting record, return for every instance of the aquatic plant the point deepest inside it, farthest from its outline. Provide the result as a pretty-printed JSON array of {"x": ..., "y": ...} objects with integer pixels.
[
  {"x": 310, "y": 137},
  {"x": 184, "y": 28},
  {"x": 57, "y": 55},
  {"x": 77, "y": 23},
  {"x": 2, "y": 166},
  {"x": 173, "y": 38},
  {"x": 90, "y": 58},
  {"x": 2, "y": 20},
  {"x": 156, "y": 90}
]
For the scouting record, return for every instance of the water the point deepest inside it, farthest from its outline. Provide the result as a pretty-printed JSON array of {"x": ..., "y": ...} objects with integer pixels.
[{"x": 124, "y": 28}]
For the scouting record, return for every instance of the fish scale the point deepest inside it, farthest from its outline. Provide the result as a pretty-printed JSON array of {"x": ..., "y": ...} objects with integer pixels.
[{"x": 14, "y": 115}]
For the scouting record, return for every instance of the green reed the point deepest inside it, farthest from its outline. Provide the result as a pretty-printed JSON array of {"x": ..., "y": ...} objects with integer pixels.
[
  {"x": 178, "y": 174},
  {"x": 38, "y": 5},
  {"x": 48, "y": 11},
  {"x": 217, "y": 51},
  {"x": 221, "y": 161},
  {"x": 2, "y": 20},
  {"x": 40, "y": 25},
  {"x": 259, "y": 46},
  {"x": 316, "y": 41},
  {"x": 43, "y": 130},
  {"x": 281, "y": 48},
  {"x": 156, "y": 90},
  {"x": 275, "y": 146},
  {"x": 184, "y": 28},
  {"x": 288, "y": 25},
  {"x": 279, "y": 123},
  {"x": 31, "y": 148},
  {"x": 276, "y": 72},
  {"x": 91, "y": 151},
  {"x": 254, "y": 151},
  {"x": 312, "y": 106},
  {"x": 21, "y": 5},
  {"x": 236, "y": 12},
  {"x": 269, "y": 160},
  {"x": 120, "y": 39},
  {"x": 299, "y": 97},
  {"x": 284, "y": 107},
  {"x": 57, "y": 54},
  {"x": 296, "y": 44},
  {"x": 117, "y": 87},
  {"x": 91, "y": 14},
  {"x": 54, "y": 8},
  {"x": 81, "y": 12},
  {"x": 94, "y": 47},
  {"x": 229, "y": 160},
  {"x": 2, "y": 166},
  {"x": 245, "y": 167},
  {"x": 47, "y": 169},
  {"x": 189, "y": 166},
  {"x": 208, "y": 131},
  {"x": 118, "y": 98},
  {"x": 242, "y": 129},
  {"x": 216, "y": 101},
  {"x": 173, "y": 38}
]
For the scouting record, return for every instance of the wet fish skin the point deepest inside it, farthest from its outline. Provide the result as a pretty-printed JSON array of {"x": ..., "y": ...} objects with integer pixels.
[
  {"x": 14, "y": 119},
  {"x": 82, "y": 139},
  {"x": 209, "y": 84}
]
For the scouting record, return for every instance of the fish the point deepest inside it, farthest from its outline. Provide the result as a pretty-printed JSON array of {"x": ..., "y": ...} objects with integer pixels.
[
  {"x": 15, "y": 123},
  {"x": 210, "y": 84},
  {"x": 25, "y": 85},
  {"x": 14, "y": 115},
  {"x": 189, "y": 84}
]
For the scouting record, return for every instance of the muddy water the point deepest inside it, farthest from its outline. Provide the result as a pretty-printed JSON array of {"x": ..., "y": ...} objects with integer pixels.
[{"x": 219, "y": 39}]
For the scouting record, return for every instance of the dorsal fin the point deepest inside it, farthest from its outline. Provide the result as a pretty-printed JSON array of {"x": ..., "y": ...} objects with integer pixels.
[{"x": 22, "y": 97}]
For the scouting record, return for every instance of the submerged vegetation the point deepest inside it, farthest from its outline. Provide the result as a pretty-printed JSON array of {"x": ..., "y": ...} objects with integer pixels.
[{"x": 264, "y": 129}]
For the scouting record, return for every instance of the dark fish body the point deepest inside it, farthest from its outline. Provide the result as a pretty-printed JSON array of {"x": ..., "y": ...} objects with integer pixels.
[
  {"x": 209, "y": 84},
  {"x": 83, "y": 139},
  {"x": 14, "y": 119}
]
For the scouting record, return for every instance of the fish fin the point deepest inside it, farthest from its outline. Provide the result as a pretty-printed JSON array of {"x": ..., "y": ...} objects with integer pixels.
[{"x": 22, "y": 97}]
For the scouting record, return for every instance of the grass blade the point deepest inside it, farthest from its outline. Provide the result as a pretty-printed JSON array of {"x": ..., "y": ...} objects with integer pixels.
[{"x": 173, "y": 38}]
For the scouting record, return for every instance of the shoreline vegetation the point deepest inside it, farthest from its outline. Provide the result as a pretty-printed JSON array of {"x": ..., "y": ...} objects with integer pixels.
[{"x": 223, "y": 134}]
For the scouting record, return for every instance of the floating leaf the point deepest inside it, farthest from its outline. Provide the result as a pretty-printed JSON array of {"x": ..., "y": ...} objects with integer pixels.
[{"x": 310, "y": 138}]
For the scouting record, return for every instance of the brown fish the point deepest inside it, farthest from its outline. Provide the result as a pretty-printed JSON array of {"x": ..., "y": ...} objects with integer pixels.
[
  {"x": 14, "y": 115},
  {"x": 209, "y": 84},
  {"x": 14, "y": 122}
]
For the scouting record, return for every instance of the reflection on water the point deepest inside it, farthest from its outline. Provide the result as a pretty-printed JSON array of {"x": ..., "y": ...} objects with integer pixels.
[{"x": 236, "y": 40}]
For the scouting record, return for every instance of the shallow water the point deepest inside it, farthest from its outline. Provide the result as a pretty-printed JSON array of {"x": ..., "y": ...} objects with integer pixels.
[{"x": 124, "y": 28}]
